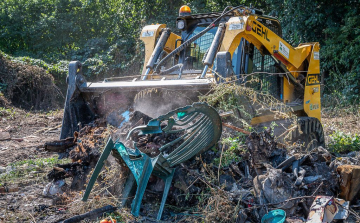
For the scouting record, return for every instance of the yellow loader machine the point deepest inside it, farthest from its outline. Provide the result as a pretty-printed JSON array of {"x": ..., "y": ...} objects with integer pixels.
[{"x": 211, "y": 48}]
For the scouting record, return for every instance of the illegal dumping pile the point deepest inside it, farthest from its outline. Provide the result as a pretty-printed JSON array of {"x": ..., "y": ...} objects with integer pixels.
[
  {"x": 244, "y": 186},
  {"x": 83, "y": 150}
]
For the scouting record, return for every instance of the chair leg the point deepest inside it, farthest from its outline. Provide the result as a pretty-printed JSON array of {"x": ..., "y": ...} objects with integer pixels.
[
  {"x": 128, "y": 189},
  {"x": 143, "y": 181},
  {"x": 165, "y": 193},
  {"x": 109, "y": 146}
]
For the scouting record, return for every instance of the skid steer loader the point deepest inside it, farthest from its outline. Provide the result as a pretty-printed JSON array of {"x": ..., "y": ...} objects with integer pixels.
[{"x": 211, "y": 48}]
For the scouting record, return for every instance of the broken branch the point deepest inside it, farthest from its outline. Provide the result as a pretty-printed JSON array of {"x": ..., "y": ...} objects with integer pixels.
[{"x": 236, "y": 128}]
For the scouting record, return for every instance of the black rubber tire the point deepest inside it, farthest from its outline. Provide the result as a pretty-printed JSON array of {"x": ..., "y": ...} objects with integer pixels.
[
  {"x": 309, "y": 130},
  {"x": 311, "y": 135}
]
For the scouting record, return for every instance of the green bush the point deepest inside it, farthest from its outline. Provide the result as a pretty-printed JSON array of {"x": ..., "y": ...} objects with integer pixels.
[
  {"x": 342, "y": 143},
  {"x": 104, "y": 35}
]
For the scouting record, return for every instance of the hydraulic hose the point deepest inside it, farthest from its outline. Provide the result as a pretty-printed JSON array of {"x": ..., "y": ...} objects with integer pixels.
[
  {"x": 192, "y": 39},
  {"x": 157, "y": 51},
  {"x": 211, "y": 53}
]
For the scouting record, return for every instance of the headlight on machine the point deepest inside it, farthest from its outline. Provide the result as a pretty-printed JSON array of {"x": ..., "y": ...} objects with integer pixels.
[{"x": 180, "y": 24}]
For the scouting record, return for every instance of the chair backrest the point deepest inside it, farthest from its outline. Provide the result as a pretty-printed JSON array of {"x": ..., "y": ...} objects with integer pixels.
[{"x": 200, "y": 128}]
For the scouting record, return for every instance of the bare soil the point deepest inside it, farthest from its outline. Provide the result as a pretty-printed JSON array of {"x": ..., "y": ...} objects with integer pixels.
[
  {"x": 341, "y": 121},
  {"x": 28, "y": 132}
]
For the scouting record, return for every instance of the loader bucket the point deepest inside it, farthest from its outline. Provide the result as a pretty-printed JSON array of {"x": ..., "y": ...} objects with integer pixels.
[{"x": 86, "y": 101}]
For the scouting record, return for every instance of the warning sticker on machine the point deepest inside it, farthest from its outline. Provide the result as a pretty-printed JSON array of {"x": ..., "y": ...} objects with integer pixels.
[
  {"x": 284, "y": 50},
  {"x": 316, "y": 56},
  {"x": 147, "y": 33},
  {"x": 236, "y": 23},
  {"x": 235, "y": 26},
  {"x": 314, "y": 106}
]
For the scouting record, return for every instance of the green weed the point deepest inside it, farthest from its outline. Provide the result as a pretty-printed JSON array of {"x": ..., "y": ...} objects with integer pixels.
[
  {"x": 340, "y": 142},
  {"x": 234, "y": 147},
  {"x": 7, "y": 112},
  {"x": 24, "y": 167}
]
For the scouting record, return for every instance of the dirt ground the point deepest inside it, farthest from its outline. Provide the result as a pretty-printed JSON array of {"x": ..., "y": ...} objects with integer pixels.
[
  {"x": 28, "y": 133},
  {"x": 341, "y": 121},
  {"x": 24, "y": 157}
]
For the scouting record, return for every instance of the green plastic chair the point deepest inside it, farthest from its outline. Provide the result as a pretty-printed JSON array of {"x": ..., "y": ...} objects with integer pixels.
[{"x": 201, "y": 127}]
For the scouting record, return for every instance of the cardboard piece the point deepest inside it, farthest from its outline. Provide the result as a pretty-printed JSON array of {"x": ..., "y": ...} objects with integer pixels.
[
  {"x": 349, "y": 182},
  {"x": 323, "y": 209}
]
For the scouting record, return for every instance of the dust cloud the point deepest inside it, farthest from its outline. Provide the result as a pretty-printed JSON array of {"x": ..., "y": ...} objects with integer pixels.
[{"x": 159, "y": 103}]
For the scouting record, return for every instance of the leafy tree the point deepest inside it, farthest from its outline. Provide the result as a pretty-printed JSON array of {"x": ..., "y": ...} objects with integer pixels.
[
  {"x": 104, "y": 34},
  {"x": 336, "y": 25}
]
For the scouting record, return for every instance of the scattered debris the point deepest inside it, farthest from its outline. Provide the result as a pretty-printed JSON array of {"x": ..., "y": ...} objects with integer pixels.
[
  {"x": 323, "y": 209},
  {"x": 83, "y": 150},
  {"x": 264, "y": 150},
  {"x": 151, "y": 143},
  {"x": 13, "y": 188},
  {"x": 54, "y": 187},
  {"x": 190, "y": 131},
  {"x": 343, "y": 206},
  {"x": 91, "y": 214},
  {"x": 60, "y": 146},
  {"x": 349, "y": 181},
  {"x": 265, "y": 176}
]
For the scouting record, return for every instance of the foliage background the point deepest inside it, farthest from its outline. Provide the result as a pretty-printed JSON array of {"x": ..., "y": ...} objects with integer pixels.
[{"x": 103, "y": 34}]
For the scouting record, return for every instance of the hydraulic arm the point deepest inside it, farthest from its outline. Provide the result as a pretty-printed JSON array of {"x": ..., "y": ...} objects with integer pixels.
[{"x": 298, "y": 63}]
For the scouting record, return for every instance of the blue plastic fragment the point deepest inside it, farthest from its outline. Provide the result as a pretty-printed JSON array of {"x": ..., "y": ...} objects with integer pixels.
[
  {"x": 275, "y": 216},
  {"x": 181, "y": 115}
]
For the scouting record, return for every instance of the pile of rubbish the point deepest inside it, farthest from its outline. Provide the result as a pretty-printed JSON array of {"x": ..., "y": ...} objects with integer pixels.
[
  {"x": 267, "y": 182},
  {"x": 83, "y": 150}
]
